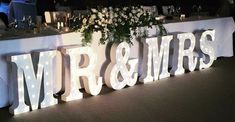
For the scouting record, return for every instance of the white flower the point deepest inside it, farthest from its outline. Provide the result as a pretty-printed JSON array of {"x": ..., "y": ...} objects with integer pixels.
[
  {"x": 139, "y": 14},
  {"x": 91, "y": 21},
  {"x": 84, "y": 21},
  {"x": 100, "y": 15},
  {"x": 110, "y": 21},
  {"x": 107, "y": 14},
  {"x": 96, "y": 26},
  {"x": 102, "y": 20},
  {"x": 82, "y": 29},
  {"x": 133, "y": 11},
  {"x": 94, "y": 10},
  {"x": 115, "y": 15},
  {"x": 117, "y": 9},
  {"x": 99, "y": 23},
  {"x": 110, "y": 8},
  {"x": 132, "y": 20},
  {"x": 103, "y": 25},
  {"x": 107, "y": 21},
  {"x": 104, "y": 10},
  {"x": 122, "y": 14},
  {"x": 137, "y": 18},
  {"x": 93, "y": 16}
]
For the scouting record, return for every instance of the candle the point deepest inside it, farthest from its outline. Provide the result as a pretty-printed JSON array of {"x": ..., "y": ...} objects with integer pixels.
[
  {"x": 182, "y": 16},
  {"x": 61, "y": 24},
  {"x": 157, "y": 18},
  {"x": 58, "y": 25}
]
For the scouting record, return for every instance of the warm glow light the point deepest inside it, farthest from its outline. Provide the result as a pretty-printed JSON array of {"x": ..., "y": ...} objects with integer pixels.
[
  {"x": 80, "y": 63},
  {"x": 207, "y": 49},
  {"x": 119, "y": 64},
  {"x": 159, "y": 58},
  {"x": 180, "y": 52},
  {"x": 33, "y": 81},
  {"x": 92, "y": 84}
]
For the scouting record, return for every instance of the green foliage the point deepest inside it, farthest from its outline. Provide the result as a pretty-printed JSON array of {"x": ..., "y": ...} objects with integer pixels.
[{"x": 115, "y": 24}]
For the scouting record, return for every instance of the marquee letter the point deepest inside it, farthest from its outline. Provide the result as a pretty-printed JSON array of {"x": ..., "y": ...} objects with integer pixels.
[
  {"x": 207, "y": 49},
  {"x": 91, "y": 84},
  {"x": 118, "y": 64},
  {"x": 25, "y": 73},
  {"x": 178, "y": 57},
  {"x": 154, "y": 55}
]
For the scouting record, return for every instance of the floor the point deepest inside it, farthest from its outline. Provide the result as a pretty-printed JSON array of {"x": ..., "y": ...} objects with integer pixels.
[{"x": 199, "y": 96}]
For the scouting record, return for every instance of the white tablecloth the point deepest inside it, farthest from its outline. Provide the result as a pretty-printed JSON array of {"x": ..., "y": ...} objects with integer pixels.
[{"x": 224, "y": 28}]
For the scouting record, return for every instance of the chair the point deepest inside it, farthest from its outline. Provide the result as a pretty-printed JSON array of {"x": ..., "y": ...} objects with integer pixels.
[
  {"x": 168, "y": 10},
  {"x": 3, "y": 21},
  {"x": 19, "y": 10},
  {"x": 151, "y": 9},
  {"x": 53, "y": 17}
]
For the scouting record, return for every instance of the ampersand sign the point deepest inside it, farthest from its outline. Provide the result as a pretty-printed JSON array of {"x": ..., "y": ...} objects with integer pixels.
[{"x": 120, "y": 71}]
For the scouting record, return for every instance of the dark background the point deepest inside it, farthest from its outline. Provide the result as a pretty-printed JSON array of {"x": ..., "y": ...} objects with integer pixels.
[{"x": 207, "y": 5}]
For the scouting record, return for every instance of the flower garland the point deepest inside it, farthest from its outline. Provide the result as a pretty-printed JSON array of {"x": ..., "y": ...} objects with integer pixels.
[{"x": 115, "y": 24}]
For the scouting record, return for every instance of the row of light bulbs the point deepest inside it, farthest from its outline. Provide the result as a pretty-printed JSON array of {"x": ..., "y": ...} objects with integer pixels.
[{"x": 156, "y": 60}]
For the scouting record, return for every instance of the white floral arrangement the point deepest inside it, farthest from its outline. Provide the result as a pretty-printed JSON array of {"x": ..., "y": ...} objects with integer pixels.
[{"x": 115, "y": 24}]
